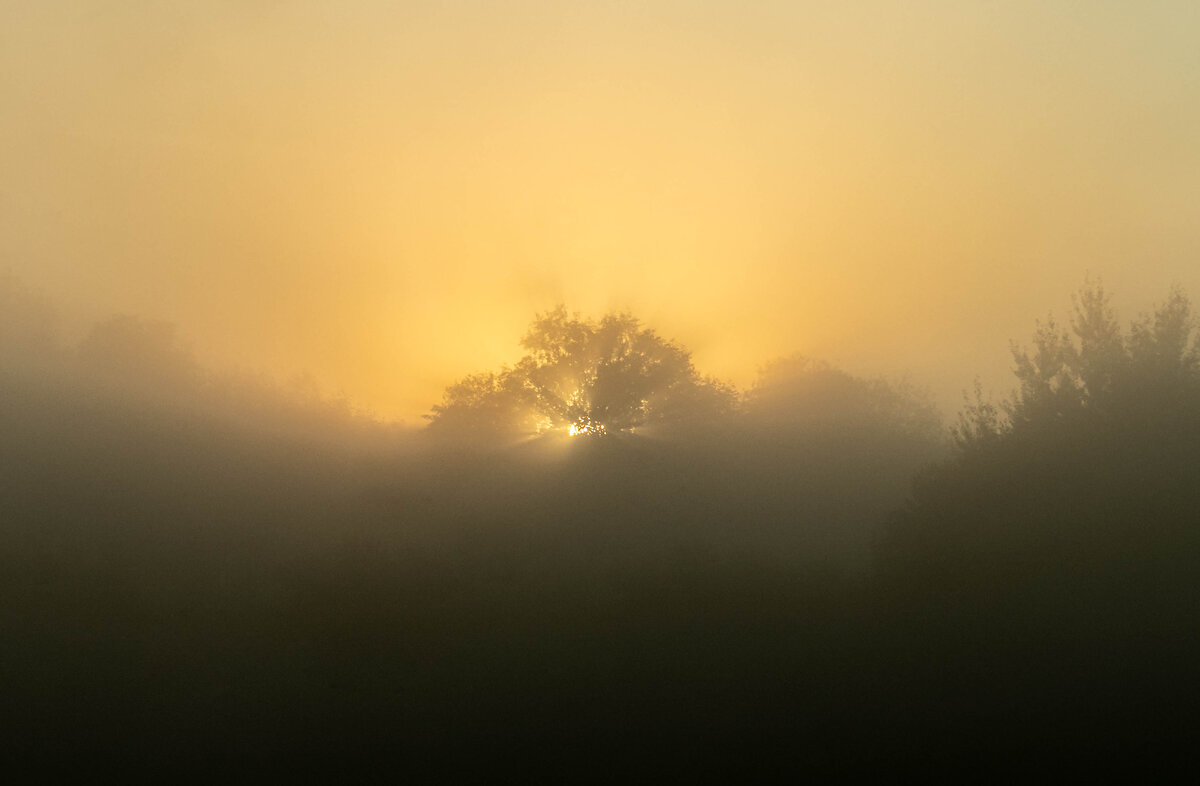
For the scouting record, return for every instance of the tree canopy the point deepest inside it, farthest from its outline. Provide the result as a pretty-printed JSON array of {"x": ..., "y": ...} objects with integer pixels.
[
  {"x": 584, "y": 377},
  {"x": 802, "y": 393}
]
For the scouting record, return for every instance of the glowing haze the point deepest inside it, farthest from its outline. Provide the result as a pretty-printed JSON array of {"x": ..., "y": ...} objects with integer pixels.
[{"x": 383, "y": 193}]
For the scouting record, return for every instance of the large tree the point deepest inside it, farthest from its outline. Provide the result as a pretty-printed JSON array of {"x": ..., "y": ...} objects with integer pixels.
[{"x": 585, "y": 377}]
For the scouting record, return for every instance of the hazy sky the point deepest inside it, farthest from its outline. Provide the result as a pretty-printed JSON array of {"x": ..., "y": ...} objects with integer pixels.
[{"x": 383, "y": 193}]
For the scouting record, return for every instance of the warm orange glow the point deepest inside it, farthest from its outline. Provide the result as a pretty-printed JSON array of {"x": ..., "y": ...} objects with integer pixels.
[
  {"x": 588, "y": 428},
  {"x": 384, "y": 195}
]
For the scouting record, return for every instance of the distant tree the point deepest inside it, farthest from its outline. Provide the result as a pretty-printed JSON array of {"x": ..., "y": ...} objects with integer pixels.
[
  {"x": 799, "y": 392},
  {"x": 585, "y": 378},
  {"x": 131, "y": 350},
  {"x": 28, "y": 322}
]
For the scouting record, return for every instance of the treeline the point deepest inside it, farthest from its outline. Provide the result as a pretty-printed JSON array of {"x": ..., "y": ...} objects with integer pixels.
[
  {"x": 1054, "y": 559},
  {"x": 1091, "y": 467},
  {"x": 594, "y": 556},
  {"x": 143, "y": 366}
]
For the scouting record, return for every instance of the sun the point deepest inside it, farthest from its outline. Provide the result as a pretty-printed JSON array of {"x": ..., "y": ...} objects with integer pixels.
[{"x": 588, "y": 427}]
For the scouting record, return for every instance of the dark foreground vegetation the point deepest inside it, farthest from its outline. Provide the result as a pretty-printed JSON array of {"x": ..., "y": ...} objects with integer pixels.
[{"x": 199, "y": 572}]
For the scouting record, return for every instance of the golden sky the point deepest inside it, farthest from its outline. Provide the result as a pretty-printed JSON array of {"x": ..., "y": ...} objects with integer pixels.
[{"x": 383, "y": 193}]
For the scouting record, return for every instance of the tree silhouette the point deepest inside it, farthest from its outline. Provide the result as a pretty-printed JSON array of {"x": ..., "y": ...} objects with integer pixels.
[
  {"x": 28, "y": 321},
  {"x": 583, "y": 377},
  {"x": 1096, "y": 373},
  {"x": 136, "y": 351},
  {"x": 1089, "y": 469},
  {"x": 801, "y": 393}
]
